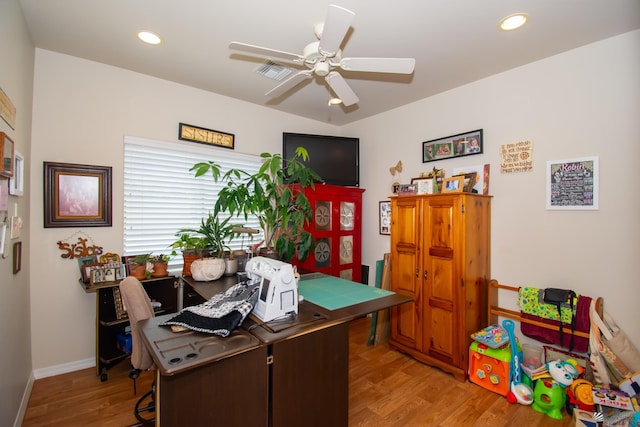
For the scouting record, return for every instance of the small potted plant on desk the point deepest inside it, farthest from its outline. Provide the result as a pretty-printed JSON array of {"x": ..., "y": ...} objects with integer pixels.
[
  {"x": 192, "y": 248},
  {"x": 275, "y": 195},
  {"x": 214, "y": 235}
]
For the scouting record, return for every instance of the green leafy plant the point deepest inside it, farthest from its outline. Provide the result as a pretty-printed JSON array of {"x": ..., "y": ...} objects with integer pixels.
[
  {"x": 275, "y": 195},
  {"x": 187, "y": 242},
  {"x": 159, "y": 258},
  {"x": 212, "y": 236}
]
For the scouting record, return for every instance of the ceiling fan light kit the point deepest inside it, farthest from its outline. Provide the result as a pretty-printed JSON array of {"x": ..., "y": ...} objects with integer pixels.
[{"x": 324, "y": 58}]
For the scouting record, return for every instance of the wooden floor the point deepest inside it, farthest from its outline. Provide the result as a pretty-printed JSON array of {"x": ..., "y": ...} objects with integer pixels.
[{"x": 386, "y": 389}]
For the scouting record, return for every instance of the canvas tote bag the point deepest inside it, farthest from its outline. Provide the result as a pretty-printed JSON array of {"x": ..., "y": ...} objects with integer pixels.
[
  {"x": 596, "y": 360},
  {"x": 616, "y": 345}
]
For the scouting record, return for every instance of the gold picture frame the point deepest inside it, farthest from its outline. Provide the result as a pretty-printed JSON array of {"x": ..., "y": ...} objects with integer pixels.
[{"x": 454, "y": 184}]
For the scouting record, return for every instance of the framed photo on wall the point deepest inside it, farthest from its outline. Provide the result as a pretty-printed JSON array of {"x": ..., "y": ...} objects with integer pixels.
[
  {"x": 6, "y": 151},
  {"x": 462, "y": 144},
  {"x": 76, "y": 195},
  {"x": 385, "y": 217}
]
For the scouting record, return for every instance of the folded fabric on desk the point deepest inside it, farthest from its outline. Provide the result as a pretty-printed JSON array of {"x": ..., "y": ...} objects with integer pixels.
[{"x": 220, "y": 315}]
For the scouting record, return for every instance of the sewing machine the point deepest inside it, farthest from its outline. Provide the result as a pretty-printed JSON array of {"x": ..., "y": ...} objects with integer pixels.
[{"x": 278, "y": 288}]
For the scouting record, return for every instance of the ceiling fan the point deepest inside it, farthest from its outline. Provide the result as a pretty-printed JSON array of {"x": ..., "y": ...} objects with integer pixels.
[{"x": 324, "y": 56}]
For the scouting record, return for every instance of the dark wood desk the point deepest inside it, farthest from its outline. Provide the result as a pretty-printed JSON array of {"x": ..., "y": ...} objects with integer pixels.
[{"x": 286, "y": 373}]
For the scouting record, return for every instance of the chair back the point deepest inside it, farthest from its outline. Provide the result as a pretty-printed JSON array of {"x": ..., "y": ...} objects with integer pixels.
[{"x": 138, "y": 306}]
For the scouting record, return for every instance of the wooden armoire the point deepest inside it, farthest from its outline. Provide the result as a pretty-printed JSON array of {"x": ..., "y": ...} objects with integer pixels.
[{"x": 441, "y": 257}]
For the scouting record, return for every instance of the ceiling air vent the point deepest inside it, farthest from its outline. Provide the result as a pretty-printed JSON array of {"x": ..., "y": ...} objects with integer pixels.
[{"x": 273, "y": 71}]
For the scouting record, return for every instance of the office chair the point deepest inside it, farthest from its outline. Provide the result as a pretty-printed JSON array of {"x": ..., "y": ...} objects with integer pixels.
[{"x": 138, "y": 306}]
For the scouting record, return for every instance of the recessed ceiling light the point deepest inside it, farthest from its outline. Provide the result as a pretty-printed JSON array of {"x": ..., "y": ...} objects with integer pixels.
[
  {"x": 513, "y": 22},
  {"x": 149, "y": 37},
  {"x": 335, "y": 101}
]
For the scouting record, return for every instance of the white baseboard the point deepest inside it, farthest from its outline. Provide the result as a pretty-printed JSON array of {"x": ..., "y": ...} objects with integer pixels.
[
  {"x": 64, "y": 368},
  {"x": 24, "y": 402}
]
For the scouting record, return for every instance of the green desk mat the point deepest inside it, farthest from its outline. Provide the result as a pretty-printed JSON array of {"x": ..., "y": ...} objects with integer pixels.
[{"x": 333, "y": 293}]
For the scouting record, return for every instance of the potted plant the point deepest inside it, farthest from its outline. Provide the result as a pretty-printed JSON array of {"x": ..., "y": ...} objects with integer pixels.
[
  {"x": 210, "y": 238},
  {"x": 275, "y": 195},
  {"x": 138, "y": 266},
  {"x": 191, "y": 246},
  {"x": 160, "y": 263}
]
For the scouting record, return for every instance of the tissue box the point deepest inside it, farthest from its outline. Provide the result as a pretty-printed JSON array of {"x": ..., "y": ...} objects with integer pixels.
[
  {"x": 123, "y": 342},
  {"x": 583, "y": 418}
]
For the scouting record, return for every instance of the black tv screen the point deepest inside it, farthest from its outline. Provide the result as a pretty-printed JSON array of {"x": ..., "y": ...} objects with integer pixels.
[{"x": 334, "y": 158}]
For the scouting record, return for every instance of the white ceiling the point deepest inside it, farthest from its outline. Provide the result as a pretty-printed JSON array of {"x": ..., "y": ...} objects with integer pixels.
[{"x": 454, "y": 42}]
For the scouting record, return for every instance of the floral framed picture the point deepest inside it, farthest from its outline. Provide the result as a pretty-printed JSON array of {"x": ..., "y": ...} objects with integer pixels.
[
  {"x": 77, "y": 195},
  {"x": 385, "y": 217}
]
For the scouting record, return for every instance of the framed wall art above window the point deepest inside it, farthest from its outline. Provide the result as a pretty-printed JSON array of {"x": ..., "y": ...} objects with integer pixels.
[{"x": 76, "y": 195}]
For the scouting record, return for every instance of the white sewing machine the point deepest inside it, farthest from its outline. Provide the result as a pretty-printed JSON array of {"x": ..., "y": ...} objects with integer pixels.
[{"x": 278, "y": 288}]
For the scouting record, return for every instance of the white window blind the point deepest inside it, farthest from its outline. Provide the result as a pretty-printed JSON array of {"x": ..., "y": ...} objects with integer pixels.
[{"x": 162, "y": 196}]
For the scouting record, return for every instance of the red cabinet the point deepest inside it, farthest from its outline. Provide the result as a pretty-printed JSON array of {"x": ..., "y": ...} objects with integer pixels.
[{"x": 337, "y": 231}]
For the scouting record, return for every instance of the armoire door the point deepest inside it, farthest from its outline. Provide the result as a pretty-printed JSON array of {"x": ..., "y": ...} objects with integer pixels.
[
  {"x": 406, "y": 272},
  {"x": 439, "y": 277}
]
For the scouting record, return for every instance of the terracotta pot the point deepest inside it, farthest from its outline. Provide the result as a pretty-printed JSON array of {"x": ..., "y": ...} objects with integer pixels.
[
  {"x": 188, "y": 258},
  {"x": 138, "y": 271},
  {"x": 160, "y": 269}
]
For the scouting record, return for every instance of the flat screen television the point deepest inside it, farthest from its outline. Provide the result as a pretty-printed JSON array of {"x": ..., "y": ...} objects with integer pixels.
[{"x": 334, "y": 158}]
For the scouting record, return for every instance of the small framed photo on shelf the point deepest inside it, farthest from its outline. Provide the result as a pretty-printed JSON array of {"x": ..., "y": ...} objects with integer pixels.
[
  {"x": 423, "y": 185},
  {"x": 385, "y": 217},
  {"x": 469, "y": 181},
  {"x": 454, "y": 184},
  {"x": 482, "y": 177},
  {"x": 407, "y": 189}
]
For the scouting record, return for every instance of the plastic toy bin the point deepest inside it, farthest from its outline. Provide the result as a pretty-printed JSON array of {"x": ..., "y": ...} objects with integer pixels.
[{"x": 490, "y": 367}]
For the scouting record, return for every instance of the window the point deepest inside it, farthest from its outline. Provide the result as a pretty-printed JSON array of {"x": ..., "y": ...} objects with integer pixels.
[{"x": 162, "y": 196}]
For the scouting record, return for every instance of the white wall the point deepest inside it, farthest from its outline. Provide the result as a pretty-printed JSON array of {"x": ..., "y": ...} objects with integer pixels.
[
  {"x": 16, "y": 80},
  {"x": 581, "y": 103},
  {"x": 82, "y": 111},
  {"x": 585, "y": 102}
]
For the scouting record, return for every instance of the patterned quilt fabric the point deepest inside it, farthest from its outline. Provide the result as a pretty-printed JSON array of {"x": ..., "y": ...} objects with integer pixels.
[{"x": 531, "y": 301}]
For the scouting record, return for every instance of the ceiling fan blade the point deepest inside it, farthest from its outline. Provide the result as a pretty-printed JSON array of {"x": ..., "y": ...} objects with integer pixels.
[
  {"x": 341, "y": 88},
  {"x": 335, "y": 27},
  {"x": 379, "y": 65},
  {"x": 265, "y": 51},
  {"x": 290, "y": 83}
]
